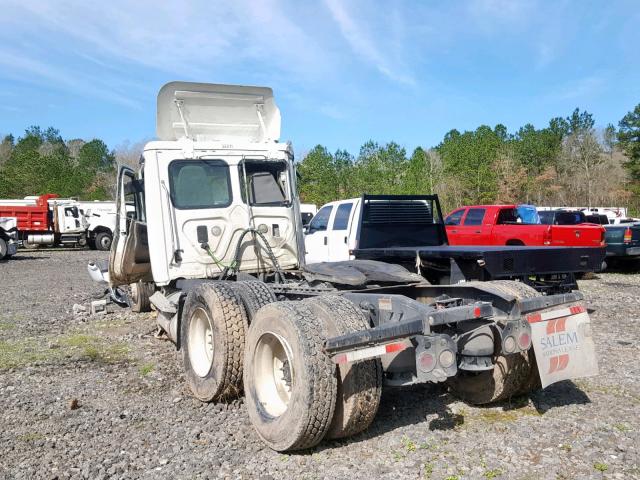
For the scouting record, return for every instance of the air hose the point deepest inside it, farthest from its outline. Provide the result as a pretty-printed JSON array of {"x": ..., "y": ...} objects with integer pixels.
[{"x": 235, "y": 265}]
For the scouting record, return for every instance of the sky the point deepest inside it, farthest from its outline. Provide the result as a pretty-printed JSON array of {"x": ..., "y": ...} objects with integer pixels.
[{"x": 343, "y": 72}]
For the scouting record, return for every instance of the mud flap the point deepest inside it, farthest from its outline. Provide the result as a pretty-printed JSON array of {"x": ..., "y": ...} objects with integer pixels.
[{"x": 563, "y": 344}]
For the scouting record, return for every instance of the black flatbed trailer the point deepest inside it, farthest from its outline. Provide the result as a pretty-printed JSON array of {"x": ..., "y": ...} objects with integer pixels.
[{"x": 409, "y": 230}]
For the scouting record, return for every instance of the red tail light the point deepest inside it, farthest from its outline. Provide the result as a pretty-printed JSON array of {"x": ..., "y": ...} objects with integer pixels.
[
  {"x": 546, "y": 239},
  {"x": 627, "y": 235}
]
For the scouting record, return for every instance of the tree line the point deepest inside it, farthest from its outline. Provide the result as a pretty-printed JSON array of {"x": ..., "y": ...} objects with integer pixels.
[
  {"x": 568, "y": 162},
  {"x": 42, "y": 162}
]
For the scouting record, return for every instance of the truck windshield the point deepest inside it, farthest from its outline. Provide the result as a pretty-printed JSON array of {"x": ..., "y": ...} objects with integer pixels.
[{"x": 199, "y": 184}]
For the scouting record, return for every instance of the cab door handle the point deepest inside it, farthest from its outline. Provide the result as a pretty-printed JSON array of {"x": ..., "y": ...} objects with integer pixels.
[
  {"x": 325, "y": 240},
  {"x": 477, "y": 231},
  {"x": 454, "y": 231}
]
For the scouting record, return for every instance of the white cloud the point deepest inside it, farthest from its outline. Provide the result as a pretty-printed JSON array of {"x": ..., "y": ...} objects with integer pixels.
[
  {"x": 362, "y": 43},
  {"x": 22, "y": 67},
  {"x": 124, "y": 41},
  {"x": 582, "y": 88}
]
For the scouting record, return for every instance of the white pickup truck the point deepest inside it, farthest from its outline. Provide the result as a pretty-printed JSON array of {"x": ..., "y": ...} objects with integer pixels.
[{"x": 330, "y": 235}]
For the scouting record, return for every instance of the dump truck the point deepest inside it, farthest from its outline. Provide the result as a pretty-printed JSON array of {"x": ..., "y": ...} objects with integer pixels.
[
  {"x": 212, "y": 219},
  {"x": 46, "y": 220}
]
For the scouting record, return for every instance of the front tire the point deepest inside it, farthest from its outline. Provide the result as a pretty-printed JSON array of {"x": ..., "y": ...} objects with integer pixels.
[
  {"x": 103, "y": 241},
  {"x": 4, "y": 248},
  {"x": 212, "y": 336},
  {"x": 289, "y": 382}
]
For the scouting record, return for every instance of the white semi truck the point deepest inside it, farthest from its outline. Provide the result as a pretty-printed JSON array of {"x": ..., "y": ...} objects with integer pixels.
[
  {"x": 101, "y": 223},
  {"x": 212, "y": 218},
  {"x": 8, "y": 237}
]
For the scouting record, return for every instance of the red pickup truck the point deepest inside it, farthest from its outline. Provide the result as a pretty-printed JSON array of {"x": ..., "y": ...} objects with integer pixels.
[{"x": 516, "y": 225}]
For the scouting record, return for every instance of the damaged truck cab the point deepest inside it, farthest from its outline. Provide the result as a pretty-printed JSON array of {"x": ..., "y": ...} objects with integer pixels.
[{"x": 212, "y": 220}]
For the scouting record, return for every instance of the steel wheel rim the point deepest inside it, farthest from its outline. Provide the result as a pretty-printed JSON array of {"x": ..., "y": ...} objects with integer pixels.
[
  {"x": 200, "y": 340},
  {"x": 274, "y": 373},
  {"x": 105, "y": 242}
]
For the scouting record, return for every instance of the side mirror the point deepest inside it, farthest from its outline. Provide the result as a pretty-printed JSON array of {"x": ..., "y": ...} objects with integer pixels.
[{"x": 306, "y": 229}]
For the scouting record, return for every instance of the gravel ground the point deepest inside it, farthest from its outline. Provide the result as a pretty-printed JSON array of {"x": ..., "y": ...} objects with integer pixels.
[{"x": 100, "y": 397}]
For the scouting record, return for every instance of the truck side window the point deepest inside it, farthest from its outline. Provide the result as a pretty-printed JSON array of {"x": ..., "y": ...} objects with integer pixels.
[
  {"x": 474, "y": 216},
  {"x": 341, "y": 220},
  {"x": 321, "y": 220},
  {"x": 546, "y": 217},
  {"x": 454, "y": 218},
  {"x": 507, "y": 216},
  {"x": 267, "y": 182},
  {"x": 199, "y": 184}
]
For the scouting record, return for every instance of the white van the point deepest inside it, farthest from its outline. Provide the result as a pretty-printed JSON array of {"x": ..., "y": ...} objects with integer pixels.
[{"x": 332, "y": 232}]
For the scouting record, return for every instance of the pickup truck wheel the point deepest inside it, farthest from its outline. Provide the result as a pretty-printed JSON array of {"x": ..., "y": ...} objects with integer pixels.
[
  {"x": 140, "y": 293},
  {"x": 254, "y": 295},
  {"x": 359, "y": 383},
  {"x": 4, "y": 248},
  {"x": 289, "y": 382},
  {"x": 103, "y": 241},
  {"x": 213, "y": 334}
]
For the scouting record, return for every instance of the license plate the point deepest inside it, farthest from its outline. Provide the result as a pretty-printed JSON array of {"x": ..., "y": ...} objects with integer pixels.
[{"x": 563, "y": 344}]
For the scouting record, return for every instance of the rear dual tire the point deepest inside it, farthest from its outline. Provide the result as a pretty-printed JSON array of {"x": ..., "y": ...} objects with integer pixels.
[
  {"x": 512, "y": 375},
  {"x": 359, "y": 383},
  {"x": 290, "y": 383},
  {"x": 212, "y": 337}
]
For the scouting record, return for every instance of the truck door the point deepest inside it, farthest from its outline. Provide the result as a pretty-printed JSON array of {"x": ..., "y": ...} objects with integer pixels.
[
  {"x": 338, "y": 233},
  {"x": 68, "y": 219},
  {"x": 472, "y": 231},
  {"x": 129, "y": 258},
  {"x": 452, "y": 224},
  {"x": 316, "y": 241}
]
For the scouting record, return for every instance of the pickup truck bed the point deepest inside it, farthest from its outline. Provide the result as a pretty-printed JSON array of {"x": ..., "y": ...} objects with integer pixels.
[{"x": 418, "y": 233}]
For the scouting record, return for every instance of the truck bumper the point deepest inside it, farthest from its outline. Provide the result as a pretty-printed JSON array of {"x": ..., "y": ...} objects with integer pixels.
[{"x": 623, "y": 251}]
